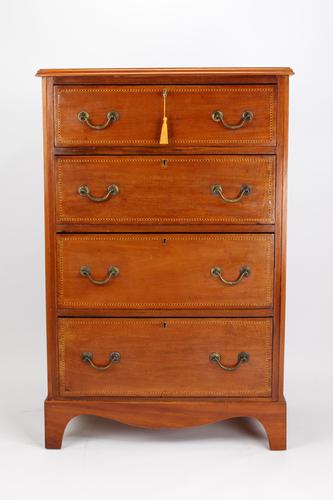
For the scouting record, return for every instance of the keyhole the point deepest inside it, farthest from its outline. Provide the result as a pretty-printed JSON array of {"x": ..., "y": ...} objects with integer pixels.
[
  {"x": 164, "y": 324},
  {"x": 164, "y": 241},
  {"x": 164, "y": 163}
]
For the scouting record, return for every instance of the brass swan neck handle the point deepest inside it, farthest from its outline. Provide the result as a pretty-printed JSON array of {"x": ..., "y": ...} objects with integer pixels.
[
  {"x": 111, "y": 190},
  {"x": 218, "y": 190},
  {"x": 243, "y": 357},
  {"x": 113, "y": 272},
  {"x": 114, "y": 357},
  {"x": 247, "y": 117},
  {"x": 217, "y": 272},
  {"x": 111, "y": 116}
]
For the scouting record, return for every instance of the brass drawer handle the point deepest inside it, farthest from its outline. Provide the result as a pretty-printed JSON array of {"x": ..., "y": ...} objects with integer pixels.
[
  {"x": 111, "y": 190},
  {"x": 113, "y": 272},
  {"x": 247, "y": 117},
  {"x": 244, "y": 272},
  {"x": 113, "y": 358},
  {"x": 112, "y": 116},
  {"x": 243, "y": 357},
  {"x": 217, "y": 190}
]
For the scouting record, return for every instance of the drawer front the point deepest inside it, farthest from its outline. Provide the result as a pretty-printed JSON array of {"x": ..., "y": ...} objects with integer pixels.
[
  {"x": 138, "y": 113},
  {"x": 168, "y": 357},
  {"x": 150, "y": 190},
  {"x": 165, "y": 271}
]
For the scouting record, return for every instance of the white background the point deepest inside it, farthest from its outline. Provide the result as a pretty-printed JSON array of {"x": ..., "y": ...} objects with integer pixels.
[{"x": 105, "y": 458}]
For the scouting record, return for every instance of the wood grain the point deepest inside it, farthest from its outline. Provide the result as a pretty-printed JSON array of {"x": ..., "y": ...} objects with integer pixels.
[
  {"x": 189, "y": 111},
  {"x": 171, "y": 313},
  {"x": 165, "y": 149},
  {"x": 165, "y": 72},
  {"x": 165, "y": 228},
  {"x": 167, "y": 414},
  {"x": 176, "y": 362},
  {"x": 50, "y": 236},
  {"x": 165, "y": 271},
  {"x": 164, "y": 190},
  {"x": 281, "y": 292}
]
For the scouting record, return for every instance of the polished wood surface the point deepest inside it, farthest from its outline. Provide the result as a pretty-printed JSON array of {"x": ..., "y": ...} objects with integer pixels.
[
  {"x": 164, "y": 228},
  {"x": 170, "y": 313},
  {"x": 176, "y": 362},
  {"x": 165, "y": 72},
  {"x": 167, "y": 414},
  {"x": 50, "y": 237},
  {"x": 165, "y": 262},
  {"x": 282, "y": 155},
  {"x": 189, "y": 112},
  {"x": 155, "y": 76},
  {"x": 165, "y": 271},
  {"x": 162, "y": 190},
  {"x": 165, "y": 149}
]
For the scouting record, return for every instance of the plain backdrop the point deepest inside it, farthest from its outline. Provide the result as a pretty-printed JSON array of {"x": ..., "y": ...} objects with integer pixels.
[{"x": 101, "y": 458}]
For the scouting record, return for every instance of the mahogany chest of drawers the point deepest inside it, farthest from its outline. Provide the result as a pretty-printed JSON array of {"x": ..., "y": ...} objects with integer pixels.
[{"x": 165, "y": 208}]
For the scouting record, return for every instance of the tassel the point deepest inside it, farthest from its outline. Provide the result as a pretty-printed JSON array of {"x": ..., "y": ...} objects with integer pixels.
[{"x": 164, "y": 131}]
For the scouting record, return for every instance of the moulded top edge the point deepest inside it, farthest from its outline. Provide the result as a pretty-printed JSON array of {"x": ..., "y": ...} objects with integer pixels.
[{"x": 165, "y": 72}]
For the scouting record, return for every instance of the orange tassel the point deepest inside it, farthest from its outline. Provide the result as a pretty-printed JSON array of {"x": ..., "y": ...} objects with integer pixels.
[{"x": 164, "y": 131}]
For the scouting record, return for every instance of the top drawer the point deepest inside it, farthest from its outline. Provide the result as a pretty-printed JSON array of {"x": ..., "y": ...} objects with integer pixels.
[{"x": 197, "y": 115}]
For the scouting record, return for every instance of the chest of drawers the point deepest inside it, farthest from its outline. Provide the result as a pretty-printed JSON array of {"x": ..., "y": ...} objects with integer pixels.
[{"x": 165, "y": 208}]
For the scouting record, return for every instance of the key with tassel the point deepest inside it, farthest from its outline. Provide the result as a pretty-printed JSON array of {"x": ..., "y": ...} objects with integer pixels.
[{"x": 164, "y": 131}]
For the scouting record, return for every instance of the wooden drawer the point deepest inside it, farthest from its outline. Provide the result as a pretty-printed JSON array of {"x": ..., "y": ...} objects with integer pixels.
[
  {"x": 156, "y": 190},
  {"x": 167, "y": 271},
  {"x": 165, "y": 357},
  {"x": 189, "y": 110}
]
